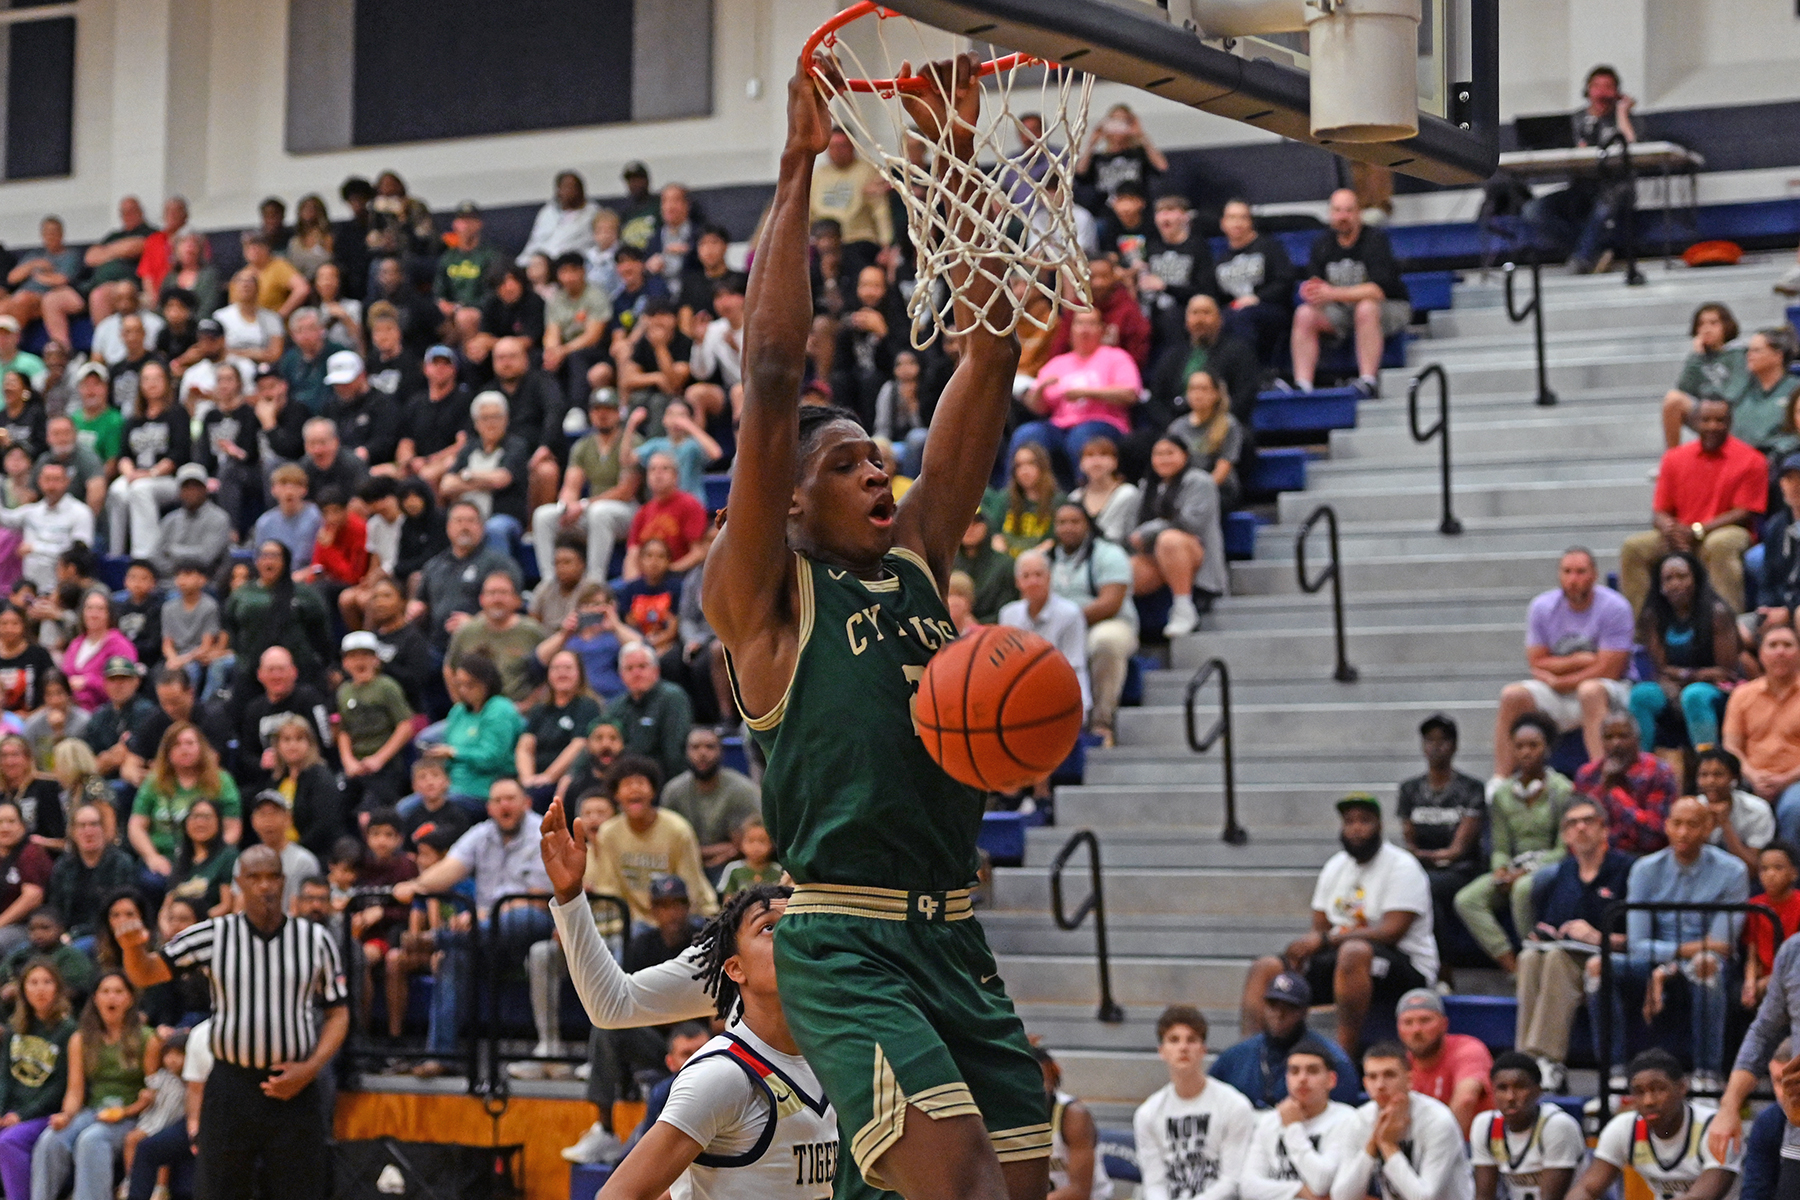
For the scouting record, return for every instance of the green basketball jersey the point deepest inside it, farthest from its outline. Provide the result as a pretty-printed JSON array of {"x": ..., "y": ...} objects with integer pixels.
[{"x": 850, "y": 796}]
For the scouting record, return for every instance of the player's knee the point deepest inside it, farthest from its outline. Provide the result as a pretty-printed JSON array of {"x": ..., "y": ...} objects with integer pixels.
[
  {"x": 1516, "y": 696},
  {"x": 1354, "y": 955}
]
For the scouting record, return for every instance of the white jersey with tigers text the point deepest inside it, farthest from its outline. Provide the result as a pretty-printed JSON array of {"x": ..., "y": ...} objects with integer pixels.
[
  {"x": 1282, "y": 1158},
  {"x": 1554, "y": 1142},
  {"x": 1101, "y": 1188},
  {"x": 1669, "y": 1167},
  {"x": 1193, "y": 1148},
  {"x": 765, "y": 1129}
]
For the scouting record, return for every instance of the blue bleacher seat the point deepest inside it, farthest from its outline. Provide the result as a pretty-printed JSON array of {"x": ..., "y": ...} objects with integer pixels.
[
  {"x": 1492, "y": 1019},
  {"x": 1430, "y": 290},
  {"x": 1153, "y": 611},
  {"x": 1133, "y": 691},
  {"x": 733, "y": 755},
  {"x": 1306, "y": 412},
  {"x": 112, "y": 570},
  {"x": 1118, "y": 1153},
  {"x": 586, "y": 1179},
  {"x": 718, "y": 489},
  {"x": 1282, "y": 469},
  {"x": 1003, "y": 835},
  {"x": 1240, "y": 536}
]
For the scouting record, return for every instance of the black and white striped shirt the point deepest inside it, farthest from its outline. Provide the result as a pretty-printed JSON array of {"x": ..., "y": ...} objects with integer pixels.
[{"x": 262, "y": 986}]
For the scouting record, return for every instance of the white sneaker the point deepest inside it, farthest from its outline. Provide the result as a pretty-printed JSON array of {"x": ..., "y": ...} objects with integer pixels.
[
  {"x": 597, "y": 1145},
  {"x": 1555, "y": 1075},
  {"x": 1183, "y": 617},
  {"x": 1789, "y": 283},
  {"x": 528, "y": 1068},
  {"x": 583, "y": 1070}
]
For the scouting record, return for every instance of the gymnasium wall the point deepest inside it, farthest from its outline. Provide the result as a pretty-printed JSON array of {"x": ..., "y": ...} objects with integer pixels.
[{"x": 227, "y": 101}]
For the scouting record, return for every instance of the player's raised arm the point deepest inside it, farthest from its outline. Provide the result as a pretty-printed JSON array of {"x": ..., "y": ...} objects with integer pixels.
[
  {"x": 749, "y": 569},
  {"x": 971, "y": 415}
]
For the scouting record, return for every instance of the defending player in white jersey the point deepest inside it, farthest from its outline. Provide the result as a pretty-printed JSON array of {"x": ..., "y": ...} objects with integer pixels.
[
  {"x": 1534, "y": 1146},
  {"x": 1192, "y": 1135},
  {"x": 746, "y": 1118},
  {"x": 1076, "y": 1172},
  {"x": 1410, "y": 1144},
  {"x": 1292, "y": 1153},
  {"x": 1663, "y": 1139}
]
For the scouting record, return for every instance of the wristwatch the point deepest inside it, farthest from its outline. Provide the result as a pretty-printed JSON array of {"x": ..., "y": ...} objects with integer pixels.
[{"x": 1699, "y": 531}]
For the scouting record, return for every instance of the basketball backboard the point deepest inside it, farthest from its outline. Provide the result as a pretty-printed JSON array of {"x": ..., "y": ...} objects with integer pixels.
[{"x": 1263, "y": 80}]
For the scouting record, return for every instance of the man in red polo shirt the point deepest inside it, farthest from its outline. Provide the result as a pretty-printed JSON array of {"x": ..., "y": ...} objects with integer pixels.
[
  {"x": 1452, "y": 1068},
  {"x": 1707, "y": 493},
  {"x": 670, "y": 516}
]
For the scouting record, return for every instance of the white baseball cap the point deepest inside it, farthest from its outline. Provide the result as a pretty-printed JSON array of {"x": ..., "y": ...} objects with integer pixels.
[{"x": 343, "y": 367}]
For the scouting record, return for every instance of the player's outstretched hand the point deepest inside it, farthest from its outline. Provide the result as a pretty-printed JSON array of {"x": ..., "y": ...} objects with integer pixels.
[
  {"x": 809, "y": 117},
  {"x": 952, "y": 89},
  {"x": 564, "y": 846}
]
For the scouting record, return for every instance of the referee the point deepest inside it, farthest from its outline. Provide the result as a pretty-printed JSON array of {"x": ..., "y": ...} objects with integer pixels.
[{"x": 260, "y": 1107}]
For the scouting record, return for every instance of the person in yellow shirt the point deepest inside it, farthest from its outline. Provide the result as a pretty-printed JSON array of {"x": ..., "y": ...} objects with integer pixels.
[
  {"x": 643, "y": 842},
  {"x": 849, "y": 191}
]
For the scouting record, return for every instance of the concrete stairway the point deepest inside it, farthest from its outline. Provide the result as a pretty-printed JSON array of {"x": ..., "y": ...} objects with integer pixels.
[{"x": 1435, "y": 623}]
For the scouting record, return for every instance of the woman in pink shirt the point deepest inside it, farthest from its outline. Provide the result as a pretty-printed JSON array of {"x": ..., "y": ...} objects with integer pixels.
[
  {"x": 84, "y": 662},
  {"x": 1084, "y": 394}
]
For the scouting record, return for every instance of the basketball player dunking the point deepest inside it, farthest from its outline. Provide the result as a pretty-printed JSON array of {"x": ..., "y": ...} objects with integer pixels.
[{"x": 828, "y": 599}]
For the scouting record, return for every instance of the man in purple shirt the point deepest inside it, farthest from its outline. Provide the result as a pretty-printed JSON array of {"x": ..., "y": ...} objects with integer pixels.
[{"x": 1578, "y": 641}]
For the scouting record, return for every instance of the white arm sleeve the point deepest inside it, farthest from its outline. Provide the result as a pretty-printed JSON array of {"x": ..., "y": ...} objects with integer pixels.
[
  {"x": 1350, "y": 1139},
  {"x": 658, "y": 995},
  {"x": 1317, "y": 1167},
  {"x": 1234, "y": 1141},
  {"x": 1152, "y": 1167},
  {"x": 1259, "y": 1181},
  {"x": 1443, "y": 1170}
]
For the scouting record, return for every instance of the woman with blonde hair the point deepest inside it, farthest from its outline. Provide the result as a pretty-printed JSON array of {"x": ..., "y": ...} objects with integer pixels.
[
  {"x": 308, "y": 785},
  {"x": 76, "y": 769},
  {"x": 1214, "y": 438},
  {"x": 186, "y": 769}
]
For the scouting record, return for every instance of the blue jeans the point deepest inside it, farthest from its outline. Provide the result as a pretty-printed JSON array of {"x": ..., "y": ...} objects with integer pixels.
[
  {"x": 1580, "y": 217},
  {"x": 169, "y": 1148},
  {"x": 520, "y": 926},
  {"x": 912, "y": 453},
  {"x": 503, "y": 533},
  {"x": 1064, "y": 445},
  {"x": 1753, "y": 575},
  {"x": 86, "y": 1147},
  {"x": 1706, "y": 1013},
  {"x": 1787, "y": 814},
  {"x": 1701, "y": 704}
]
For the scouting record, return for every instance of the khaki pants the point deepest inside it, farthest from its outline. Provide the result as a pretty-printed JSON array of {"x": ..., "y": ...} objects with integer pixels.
[
  {"x": 1550, "y": 993},
  {"x": 1110, "y": 645},
  {"x": 1722, "y": 552}
]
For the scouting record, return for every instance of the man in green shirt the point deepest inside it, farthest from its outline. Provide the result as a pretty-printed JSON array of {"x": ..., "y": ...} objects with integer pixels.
[
  {"x": 991, "y": 571},
  {"x": 655, "y": 715},
  {"x": 596, "y": 464},
  {"x": 1760, "y": 412},
  {"x": 98, "y": 425},
  {"x": 499, "y": 632},
  {"x": 467, "y": 273}
]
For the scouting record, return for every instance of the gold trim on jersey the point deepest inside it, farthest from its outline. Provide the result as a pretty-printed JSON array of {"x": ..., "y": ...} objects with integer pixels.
[
  {"x": 808, "y": 607},
  {"x": 883, "y": 904},
  {"x": 918, "y": 560},
  {"x": 1027, "y": 1141},
  {"x": 887, "y": 1121},
  {"x": 945, "y": 1100}
]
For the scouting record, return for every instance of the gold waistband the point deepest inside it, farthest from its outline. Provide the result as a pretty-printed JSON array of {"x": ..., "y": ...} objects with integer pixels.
[{"x": 883, "y": 904}]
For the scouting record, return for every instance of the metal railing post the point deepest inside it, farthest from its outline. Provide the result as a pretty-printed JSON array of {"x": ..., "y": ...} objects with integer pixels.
[
  {"x": 1332, "y": 574},
  {"x": 1095, "y": 903},
  {"x": 1535, "y": 310},
  {"x": 1441, "y": 431},
  {"x": 1625, "y": 215},
  {"x": 1234, "y": 833}
]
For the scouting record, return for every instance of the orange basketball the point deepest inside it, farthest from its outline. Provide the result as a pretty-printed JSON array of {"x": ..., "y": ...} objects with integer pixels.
[{"x": 999, "y": 708}]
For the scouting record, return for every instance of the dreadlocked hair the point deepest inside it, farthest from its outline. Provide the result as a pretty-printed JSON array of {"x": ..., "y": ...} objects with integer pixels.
[{"x": 718, "y": 942}]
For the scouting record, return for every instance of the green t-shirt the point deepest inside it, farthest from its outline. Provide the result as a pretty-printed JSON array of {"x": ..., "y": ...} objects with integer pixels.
[
  {"x": 511, "y": 649},
  {"x": 467, "y": 277},
  {"x": 1717, "y": 373},
  {"x": 370, "y": 712},
  {"x": 601, "y": 467},
  {"x": 570, "y": 314},
  {"x": 166, "y": 813},
  {"x": 1758, "y": 416},
  {"x": 103, "y": 435}
]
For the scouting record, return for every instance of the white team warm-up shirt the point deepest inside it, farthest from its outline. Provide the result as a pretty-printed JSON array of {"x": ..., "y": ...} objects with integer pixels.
[
  {"x": 1282, "y": 1157},
  {"x": 1669, "y": 1167},
  {"x": 765, "y": 1129},
  {"x": 1553, "y": 1143},
  {"x": 1193, "y": 1149},
  {"x": 1431, "y": 1164}
]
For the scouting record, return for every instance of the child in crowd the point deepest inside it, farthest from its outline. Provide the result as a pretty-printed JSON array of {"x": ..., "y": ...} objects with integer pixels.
[
  {"x": 168, "y": 1102},
  {"x": 341, "y": 868},
  {"x": 683, "y": 440},
  {"x": 294, "y": 521},
  {"x": 756, "y": 862},
  {"x": 140, "y": 612},
  {"x": 429, "y": 807},
  {"x": 340, "y": 548},
  {"x": 374, "y": 724},
  {"x": 192, "y": 638},
  {"x": 44, "y": 941},
  {"x": 1777, "y": 870},
  {"x": 416, "y": 952},
  {"x": 379, "y": 926}
]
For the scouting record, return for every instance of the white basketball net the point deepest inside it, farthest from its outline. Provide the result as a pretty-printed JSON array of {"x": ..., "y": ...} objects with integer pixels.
[{"x": 1011, "y": 222}]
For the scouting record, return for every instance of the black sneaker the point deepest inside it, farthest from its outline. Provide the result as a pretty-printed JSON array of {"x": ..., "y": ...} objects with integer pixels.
[{"x": 1367, "y": 389}]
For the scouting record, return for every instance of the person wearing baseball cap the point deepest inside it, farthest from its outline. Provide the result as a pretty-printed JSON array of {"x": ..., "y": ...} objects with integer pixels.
[
  {"x": 1257, "y": 1065},
  {"x": 1452, "y": 1068},
  {"x": 196, "y": 530},
  {"x": 468, "y": 271},
  {"x": 1371, "y": 938},
  {"x": 597, "y": 468}
]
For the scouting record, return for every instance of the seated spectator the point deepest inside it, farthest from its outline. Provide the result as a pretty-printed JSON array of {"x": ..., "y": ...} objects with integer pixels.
[
  {"x": 44, "y": 941},
  {"x": 988, "y": 568},
  {"x": 758, "y": 863},
  {"x": 648, "y": 602},
  {"x": 57, "y": 721},
  {"x": 1708, "y": 493},
  {"x": 23, "y": 665},
  {"x": 1122, "y": 321},
  {"x": 1293, "y": 1151},
  {"x": 341, "y": 550},
  {"x": 712, "y": 798},
  {"x": 1256, "y": 278},
  {"x": 186, "y": 769},
  {"x": 1713, "y": 367},
  {"x": 1022, "y": 515},
  {"x": 683, "y": 439},
  {"x": 203, "y": 862},
  {"x": 650, "y": 352},
  {"x": 1194, "y": 1127},
  {"x": 901, "y": 411},
  {"x": 671, "y": 516},
  {"x": 1451, "y": 1068},
  {"x": 644, "y": 843},
  {"x": 110, "y": 1055},
  {"x": 197, "y": 530},
  {"x": 1372, "y": 902},
  {"x": 84, "y": 662},
  {"x": 502, "y": 635},
  {"x": 1674, "y": 1160},
  {"x": 1125, "y": 231},
  {"x": 427, "y": 918},
  {"x": 1085, "y": 393},
  {"x": 1354, "y": 291},
  {"x": 1584, "y": 216},
  {"x": 92, "y": 867},
  {"x": 1762, "y": 727},
  {"x": 252, "y": 331},
  {"x": 1231, "y": 361},
  {"x": 481, "y": 731},
  {"x": 134, "y": 723},
  {"x": 1569, "y": 906},
  {"x": 1691, "y": 636},
  {"x": 596, "y": 634},
  {"x": 868, "y": 334},
  {"x": 1688, "y": 951},
  {"x": 598, "y": 463},
  {"x": 565, "y": 222},
  {"x": 49, "y": 526},
  {"x": 450, "y": 583},
  {"x": 1056, "y": 619},
  {"x": 24, "y": 876},
  {"x": 1409, "y": 1143},
  {"x": 1554, "y": 1145},
  {"x": 430, "y": 805},
  {"x": 327, "y": 462},
  {"x": 1742, "y": 823},
  {"x": 1442, "y": 816},
  {"x": 36, "y": 1070},
  {"x": 1762, "y": 414},
  {"x": 312, "y": 790},
  {"x": 1095, "y": 575},
  {"x": 271, "y": 820},
  {"x": 696, "y": 662},
  {"x": 295, "y": 520},
  {"x": 365, "y": 421},
  {"x": 1634, "y": 788},
  {"x": 654, "y": 714},
  {"x": 433, "y": 419},
  {"x": 1774, "y": 562},
  {"x": 374, "y": 724},
  {"x": 492, "y": 472},
  {"x": 378, "y": 926},
  {"x": 1109, "y": 499},
  {"x": 586, "y": 777},
  {"x": 307, "y": 364},
  {"x": 84, "y": 474},
  {"x": 1776, "y": 873},
  {"x": 1215, "y": 440},
  {"x": 1524, "y": 819},
  {"x": 1578, "y": 641},
  {"x": 1257, "y": 1065},
  {"x": 501, "y": 856},
  {"x": 1178, "y": 542},
  {"x": 466, "y": 272},
  {"x": 556, "y": 727}
]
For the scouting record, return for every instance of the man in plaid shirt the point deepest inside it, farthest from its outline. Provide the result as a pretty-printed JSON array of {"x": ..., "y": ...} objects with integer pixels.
[{"x": 1634, "y": 788}]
